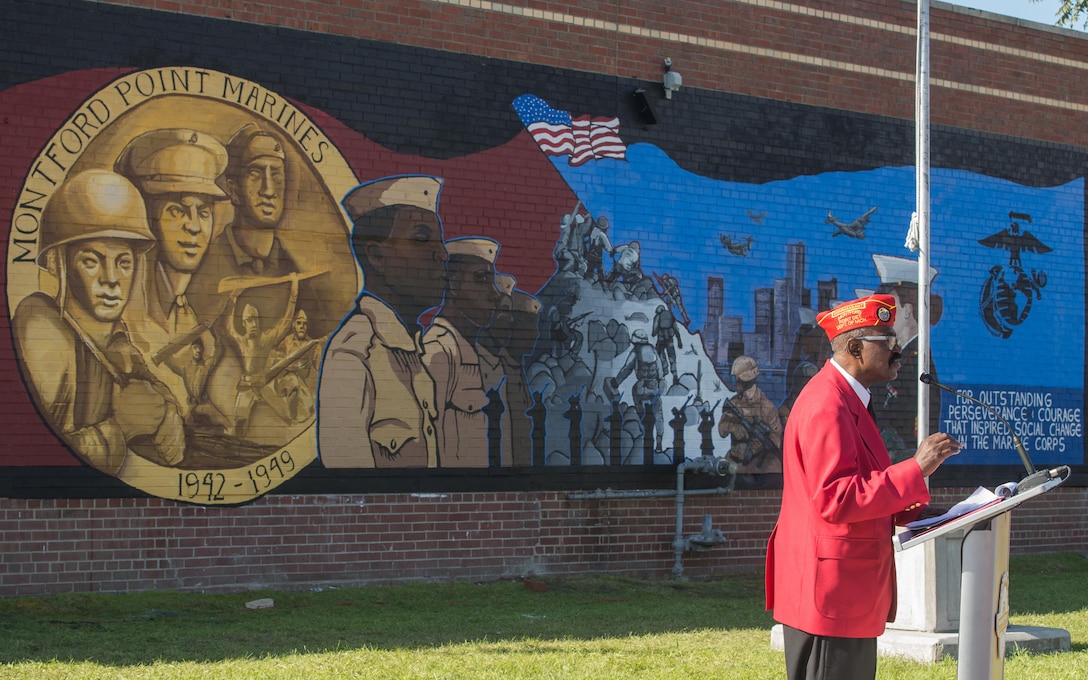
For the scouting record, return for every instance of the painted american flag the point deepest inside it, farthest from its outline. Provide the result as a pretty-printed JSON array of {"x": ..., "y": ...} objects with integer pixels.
[{"x": 557, "y": 134}]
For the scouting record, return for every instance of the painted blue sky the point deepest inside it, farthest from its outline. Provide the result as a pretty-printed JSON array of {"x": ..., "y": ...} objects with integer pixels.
[{"x": 650, "y": 199}]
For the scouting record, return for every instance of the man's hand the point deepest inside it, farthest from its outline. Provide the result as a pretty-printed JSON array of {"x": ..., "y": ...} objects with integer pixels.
[{"x": 934, "y": 450}]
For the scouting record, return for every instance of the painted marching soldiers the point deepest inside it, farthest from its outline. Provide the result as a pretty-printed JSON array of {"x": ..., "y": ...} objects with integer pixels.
[{"x": 376, "y": 401}]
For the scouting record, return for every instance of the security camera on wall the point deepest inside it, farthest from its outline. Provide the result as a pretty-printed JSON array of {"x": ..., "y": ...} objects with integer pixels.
[{"x": 672, "y": 80}]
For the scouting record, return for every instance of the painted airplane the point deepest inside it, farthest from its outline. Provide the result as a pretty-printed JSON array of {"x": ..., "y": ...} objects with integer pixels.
[
  {"x": 740, "y": 247},
  {"x": 854, "y": 229}
]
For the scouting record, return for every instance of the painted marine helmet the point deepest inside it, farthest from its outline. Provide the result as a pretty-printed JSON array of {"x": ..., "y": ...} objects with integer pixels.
[{"x": 94, "y": 204}]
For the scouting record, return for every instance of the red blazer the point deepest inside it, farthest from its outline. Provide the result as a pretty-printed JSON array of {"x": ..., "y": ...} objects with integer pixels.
[{"x": 830, "y": 561}]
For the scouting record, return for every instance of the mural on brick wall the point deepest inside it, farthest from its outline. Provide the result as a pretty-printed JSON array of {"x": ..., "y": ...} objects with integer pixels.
[{"x": 213, "y": 287}]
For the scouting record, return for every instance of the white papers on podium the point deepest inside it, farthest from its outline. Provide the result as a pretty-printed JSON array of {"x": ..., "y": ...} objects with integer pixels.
[
  {"x": 969, "y": 512},
  {"x": 979, "y": 499}
]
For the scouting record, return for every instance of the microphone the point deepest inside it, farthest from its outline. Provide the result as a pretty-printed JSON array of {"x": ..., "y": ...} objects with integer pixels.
[{"x": 1034, "y": 478}]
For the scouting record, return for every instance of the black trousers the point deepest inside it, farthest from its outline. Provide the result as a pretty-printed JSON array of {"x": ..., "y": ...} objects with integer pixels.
[{"x": 818, "y": 657}]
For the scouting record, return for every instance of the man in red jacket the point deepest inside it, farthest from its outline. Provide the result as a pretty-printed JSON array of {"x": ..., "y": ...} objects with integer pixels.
[{"x": 830, "y": 561}]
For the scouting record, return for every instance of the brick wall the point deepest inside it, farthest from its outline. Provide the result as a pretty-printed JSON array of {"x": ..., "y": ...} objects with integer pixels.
[
  {"x": 297, "y": 542},
  {"x": 300, "y": 542},
  {"x": 987, "y": 74}
]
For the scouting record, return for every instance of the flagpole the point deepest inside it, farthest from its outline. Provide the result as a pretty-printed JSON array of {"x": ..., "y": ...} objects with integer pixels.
[
  {"x": 924, "y": 574},
  {"x": 922, "y": 202}
]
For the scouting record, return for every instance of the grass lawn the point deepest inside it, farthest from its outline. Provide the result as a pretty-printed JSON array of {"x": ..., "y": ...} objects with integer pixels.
[{"x": 593, "y": 628}]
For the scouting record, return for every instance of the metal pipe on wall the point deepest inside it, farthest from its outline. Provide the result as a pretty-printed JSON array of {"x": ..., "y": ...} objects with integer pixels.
[{"x": 702, "y": 464}]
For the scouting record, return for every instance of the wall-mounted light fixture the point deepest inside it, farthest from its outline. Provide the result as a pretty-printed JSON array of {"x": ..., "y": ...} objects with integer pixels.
[
  {"x": 672, "y": 81},
  {"x": 643, "y": 107}
]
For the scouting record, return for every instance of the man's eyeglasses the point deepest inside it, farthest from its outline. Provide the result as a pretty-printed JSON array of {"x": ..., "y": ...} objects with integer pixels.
[{"x": 890, "y": 340}]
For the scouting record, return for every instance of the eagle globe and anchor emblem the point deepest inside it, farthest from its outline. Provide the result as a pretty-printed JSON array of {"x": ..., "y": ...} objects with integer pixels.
[{"x": 1008, "y": 294}]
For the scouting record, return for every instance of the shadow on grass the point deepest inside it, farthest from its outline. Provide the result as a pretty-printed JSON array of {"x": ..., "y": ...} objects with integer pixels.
[{"x": 144, "y": 628}]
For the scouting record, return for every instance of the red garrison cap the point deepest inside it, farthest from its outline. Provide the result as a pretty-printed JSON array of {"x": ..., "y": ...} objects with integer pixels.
[{"x": 873, "y": 310}]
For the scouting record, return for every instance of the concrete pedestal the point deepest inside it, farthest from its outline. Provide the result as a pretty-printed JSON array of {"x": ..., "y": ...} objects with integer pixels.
[
  {"x": 932, "y": 647},
  {"x": 928, "y": 580}
]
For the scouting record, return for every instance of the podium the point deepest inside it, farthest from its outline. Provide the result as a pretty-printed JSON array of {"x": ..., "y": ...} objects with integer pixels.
[{"x": 984, "y": 578}]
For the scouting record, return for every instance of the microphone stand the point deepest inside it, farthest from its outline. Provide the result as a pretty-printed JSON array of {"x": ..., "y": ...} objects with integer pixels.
[{"x": 1035, "y": 477}]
